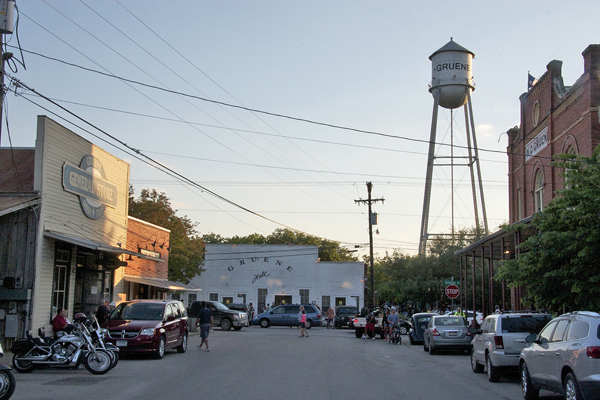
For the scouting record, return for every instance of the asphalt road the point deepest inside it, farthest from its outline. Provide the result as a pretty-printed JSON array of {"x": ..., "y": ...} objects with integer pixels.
[{"x": 275, "y": 363}]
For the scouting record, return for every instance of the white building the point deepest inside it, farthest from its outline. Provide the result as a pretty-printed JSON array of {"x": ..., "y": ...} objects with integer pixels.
[{"x": 277, "y": 274}]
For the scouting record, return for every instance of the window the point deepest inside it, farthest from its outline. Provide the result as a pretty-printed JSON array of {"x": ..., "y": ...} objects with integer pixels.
[
  {"x": 304, "y": 296},
  {"x": 213, "y": 297},
  {"x": 227, "y": 300},
  {"x": 191, "y": 297},
  {"x": 545, "y": 334},
  {"x": 536, "y": 113},
  {"x": 538, "y": 194},
  {"x": 325, "y": 302},
  {"x": 561, "y": 328},
  {"x": 579, "y": 330},
  {"x": 570, "y": 150},
  {"x": 519, "y": 204},
  {"x": 61, "y": 279}
]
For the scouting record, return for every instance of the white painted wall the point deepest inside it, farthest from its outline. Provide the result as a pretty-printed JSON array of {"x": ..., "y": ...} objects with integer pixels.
[{"x": 282, "y": 269}]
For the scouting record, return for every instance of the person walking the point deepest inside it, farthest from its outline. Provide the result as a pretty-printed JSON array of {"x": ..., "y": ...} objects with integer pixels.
[
  {"x": 102, "y": 312},
  {"x": 330, "y": 316},
  {"x": 251, "y": 314},
  {"x": 205, "y": 320},
  {"x": 303, "y": 324}
]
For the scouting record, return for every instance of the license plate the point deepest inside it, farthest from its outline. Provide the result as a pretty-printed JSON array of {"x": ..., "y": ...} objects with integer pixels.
[
  {"x": 121, "y": 343},
  {"x": 452, "y": 333}
]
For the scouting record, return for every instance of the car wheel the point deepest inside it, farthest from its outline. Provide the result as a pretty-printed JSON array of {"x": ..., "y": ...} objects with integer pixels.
[
  {"x": 411, "y": 340},
  {"x": 403, "y": 330},
  {"x": 358, "y": 333},
  {"x": 183, "y": 346},
  {"x": 493, "y": 373},
  {"x": 308, "y": 324},
  {"x": 530, "y": 392},
  {"x": 475, "y": 366},
  {"x": 226, "y": 324},
  {"x": 160, "y": 349},
  {"x": 264, "y": 323},
  {"x": 571, "y": 388},
  {"x": 425, "y": 348}
]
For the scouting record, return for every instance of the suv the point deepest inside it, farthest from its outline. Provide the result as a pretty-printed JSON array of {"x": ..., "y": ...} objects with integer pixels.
[
  {"x": 500, "y": 340},
  {"x": 287, "y": 315},
  {"x": 344, "y": 315},
  {"x": 222, "y": 315},
  {"x": 148, "y": 326},
  {"x": 564, "y": 358}
]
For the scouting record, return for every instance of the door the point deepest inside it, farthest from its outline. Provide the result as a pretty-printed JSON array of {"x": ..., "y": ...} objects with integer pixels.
[
  {"x": 291, "y": 315},
  {"x": 171, "y": 327},
  {"x": 537, "y": 359}
]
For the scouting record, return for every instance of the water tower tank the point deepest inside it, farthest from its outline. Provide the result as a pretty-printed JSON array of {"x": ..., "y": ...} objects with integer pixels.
[{"x": 452, "y": 74}]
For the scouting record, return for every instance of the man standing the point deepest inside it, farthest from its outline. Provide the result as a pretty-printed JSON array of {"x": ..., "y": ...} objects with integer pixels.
[
  {"x": 205, "y": 320},
  {"x": 102, "y": 313},
  {"x": 330, "y": 316}
]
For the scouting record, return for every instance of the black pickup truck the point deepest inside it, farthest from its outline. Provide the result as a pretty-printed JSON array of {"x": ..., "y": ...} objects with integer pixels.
[{"x": 222, "y": 315}]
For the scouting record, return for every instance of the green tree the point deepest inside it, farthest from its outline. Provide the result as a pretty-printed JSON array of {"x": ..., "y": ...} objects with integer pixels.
[
  {"x": 560, "y": 263},
  {"x": 187, "y": 248},
  {"x": 328, "y": 249}
]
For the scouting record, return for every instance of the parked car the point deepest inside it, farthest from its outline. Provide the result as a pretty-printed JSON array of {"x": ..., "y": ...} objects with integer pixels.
[
  {"x": 498, "y": 343},
  {"x": 287, "y": 315},
  {"x": 564, "y": 358},
  {"x": 419, "y": 322},
  {"x": 222, "y": 315},
  {"x": 344, "y": 315},
  {"x": 238, "y": 307},
  {"x": 148, "y": 326},
  {"x": 447, "y": 332}
]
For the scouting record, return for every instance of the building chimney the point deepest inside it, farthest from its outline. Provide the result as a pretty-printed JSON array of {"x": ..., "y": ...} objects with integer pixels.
[{"x": 591, "y": 57}]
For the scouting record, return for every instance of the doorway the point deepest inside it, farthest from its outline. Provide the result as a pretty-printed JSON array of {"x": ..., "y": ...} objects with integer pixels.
[{"x": 282, "y": 299}]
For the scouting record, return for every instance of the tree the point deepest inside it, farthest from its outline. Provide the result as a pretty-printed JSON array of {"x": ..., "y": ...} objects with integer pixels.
[
  {"x": 328, "y": 249},
  {"x": 187, "y": 247},
  {"x": 560, "y": 263}
]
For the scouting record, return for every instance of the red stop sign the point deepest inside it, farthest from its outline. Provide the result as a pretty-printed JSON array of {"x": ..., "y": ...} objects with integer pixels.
[{"x": 452, "y": 291}]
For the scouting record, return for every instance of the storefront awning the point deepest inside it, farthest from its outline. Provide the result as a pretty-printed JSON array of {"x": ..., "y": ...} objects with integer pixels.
[
  {"x": 161, "y": 283},
  {"x": 90, "y": 244}
]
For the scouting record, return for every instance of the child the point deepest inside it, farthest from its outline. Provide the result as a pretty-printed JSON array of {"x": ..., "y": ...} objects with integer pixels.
[{"x": 303, "y": 324}]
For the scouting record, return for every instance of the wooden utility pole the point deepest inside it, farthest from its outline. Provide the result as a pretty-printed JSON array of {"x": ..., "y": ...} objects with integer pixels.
[{"x": 370, "y": 201}]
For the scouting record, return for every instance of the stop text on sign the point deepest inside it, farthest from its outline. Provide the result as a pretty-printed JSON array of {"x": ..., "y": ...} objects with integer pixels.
[{"x": 452, "y": 291}]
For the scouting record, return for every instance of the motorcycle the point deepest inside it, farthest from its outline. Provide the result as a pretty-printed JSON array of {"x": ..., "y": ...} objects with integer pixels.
[
  {"x": 7, "y": 380},
  {"x": 97, "y": 334},
  {"x": 67, "y": 351}
]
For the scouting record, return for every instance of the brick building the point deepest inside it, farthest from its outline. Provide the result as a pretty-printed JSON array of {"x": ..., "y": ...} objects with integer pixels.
[{"x": 555, "y": 119}]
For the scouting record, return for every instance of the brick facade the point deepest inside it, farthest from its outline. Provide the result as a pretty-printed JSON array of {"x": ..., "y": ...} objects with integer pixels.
[
  {"x": 567, "y": 121},
  {"x": 142, "y": 236}
]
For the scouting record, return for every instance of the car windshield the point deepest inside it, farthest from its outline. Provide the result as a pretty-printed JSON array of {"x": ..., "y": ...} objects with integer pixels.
[
  {"x": 347, "y": 310},
  {"x": 139, "y": 311},
  {"x": 450, "y": 321},
  {"x": 524, "y": 323},
  {"x": 219, "y": 306}
]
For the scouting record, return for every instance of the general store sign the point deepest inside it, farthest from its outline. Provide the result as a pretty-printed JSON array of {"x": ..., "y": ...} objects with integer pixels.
[{"x": 88, "y": 181}]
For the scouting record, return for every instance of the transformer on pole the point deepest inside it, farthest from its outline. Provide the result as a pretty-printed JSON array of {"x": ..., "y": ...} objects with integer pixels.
[{"x": 451, "y": 87}]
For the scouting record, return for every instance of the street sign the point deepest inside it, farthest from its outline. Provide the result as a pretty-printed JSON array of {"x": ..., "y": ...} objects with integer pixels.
[
  {"x": 451, "y": 282},
  {"x": 452, "y": 291}
]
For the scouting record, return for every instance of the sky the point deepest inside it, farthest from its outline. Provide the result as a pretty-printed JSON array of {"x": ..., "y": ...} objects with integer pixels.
[{"x": 285, "y": 109}]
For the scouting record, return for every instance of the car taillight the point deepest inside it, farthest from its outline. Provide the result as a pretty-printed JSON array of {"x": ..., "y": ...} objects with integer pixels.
[
  {"x": 499, "y": 342},
  {"x": 318, "y": 316},
  {"x": 593, "y": 351},
  {"x": 434, "y": 332}
]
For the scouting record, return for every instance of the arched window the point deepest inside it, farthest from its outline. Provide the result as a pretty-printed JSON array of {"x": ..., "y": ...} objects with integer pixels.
[
  {"x": 570, "y": 150},
  {"x": 538, "y": 193}
]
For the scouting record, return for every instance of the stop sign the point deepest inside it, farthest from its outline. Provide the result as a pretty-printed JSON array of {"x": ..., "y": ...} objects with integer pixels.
[{"x": 452, "y": 291}]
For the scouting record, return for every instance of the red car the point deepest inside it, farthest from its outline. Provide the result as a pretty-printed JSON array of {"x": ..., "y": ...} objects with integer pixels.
[{"x": 148, "y": 326}]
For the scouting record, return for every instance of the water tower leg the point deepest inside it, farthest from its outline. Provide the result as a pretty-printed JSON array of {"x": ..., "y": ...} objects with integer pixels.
[
  {"x": 428, "y": 177},
  {"x": 483, "y": 210},
  {"x": 471, "y": 170}
]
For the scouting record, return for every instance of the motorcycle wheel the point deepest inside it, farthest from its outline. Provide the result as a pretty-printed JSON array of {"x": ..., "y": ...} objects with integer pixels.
[
  {"x": 98, "y": 363},
  {"x": 7, "y": 384},
  {"x": 20, "y": 365},
  {"x": 114, "y": 356}
]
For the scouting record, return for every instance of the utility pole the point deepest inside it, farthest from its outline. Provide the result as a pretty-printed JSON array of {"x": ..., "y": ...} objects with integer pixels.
[
  {"x": 6, "y": 27},
  {"x": 370, "y": 201}
]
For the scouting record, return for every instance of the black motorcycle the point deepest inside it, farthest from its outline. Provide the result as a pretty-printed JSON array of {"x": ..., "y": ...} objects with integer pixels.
[
  {"x": 66, "y": 351},
  {"x": 7, "y": 380}
]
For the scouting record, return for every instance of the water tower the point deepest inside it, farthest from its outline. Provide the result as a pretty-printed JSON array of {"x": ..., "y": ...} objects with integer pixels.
[{"x": 451, "y": 87}]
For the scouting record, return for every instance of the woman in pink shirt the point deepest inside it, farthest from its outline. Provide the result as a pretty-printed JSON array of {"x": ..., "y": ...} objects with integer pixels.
[{"x": 303, "y": 324}]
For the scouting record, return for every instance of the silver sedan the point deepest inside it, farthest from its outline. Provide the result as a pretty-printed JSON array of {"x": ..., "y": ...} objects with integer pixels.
[{"x": 447, "y": 332}]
